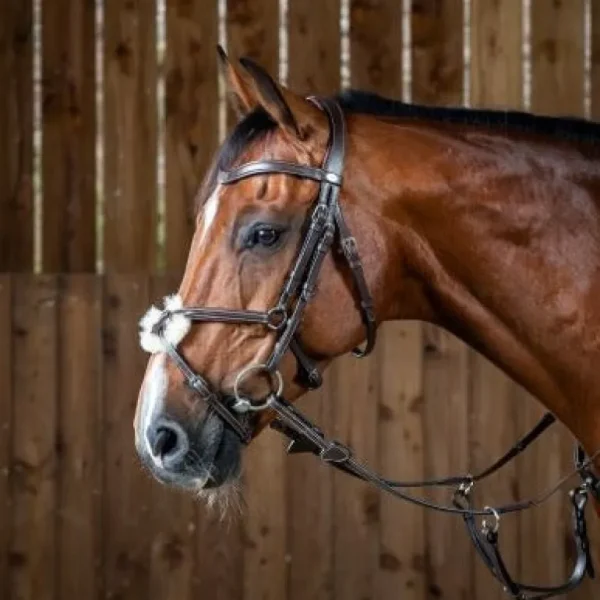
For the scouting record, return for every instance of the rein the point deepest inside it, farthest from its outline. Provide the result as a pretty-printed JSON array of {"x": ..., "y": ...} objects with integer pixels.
[{"x": 327, "y": 225}]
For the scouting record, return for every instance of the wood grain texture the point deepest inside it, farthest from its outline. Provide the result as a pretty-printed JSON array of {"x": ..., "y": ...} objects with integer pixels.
[
  {"x": 376, "y": 46},
  {"x": 265, "y": 527},
  {"x": 357, "y": 505},
  {"x": 595, "y": 73},
  {"x": 69, "y": 136},
  {"x": 6, "y": 408},
  {"x": 402, "y": 535},
  {"x": 449, "y": 555},
  {"x": 172, "y": 522},
  {"x": 16, "y": 136},
  {"x": 252, "y": 31},
  {"x": 310, "y": 510},
  {"x": 437, "y": 51},
  {"x": 496, "y": 56},
  {"x": 192, "y": 117},
  {"x": 127, "y": 488},
  {"x": 130, "y": 136},
  {"x": 314, "y": 52},
  {"x": 33, "y": 557},
  {"x": 219, "y": 554},
  {"x": 557, "y": 57},
  {"x": 79, "y": 524}
]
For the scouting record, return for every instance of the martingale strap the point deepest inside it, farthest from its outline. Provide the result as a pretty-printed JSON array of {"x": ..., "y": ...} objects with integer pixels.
[
  {"x": 486, "y": 543},
  {"x": 306, "y": 437}
]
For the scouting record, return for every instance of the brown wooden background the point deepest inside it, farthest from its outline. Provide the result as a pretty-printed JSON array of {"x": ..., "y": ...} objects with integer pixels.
[{"x": 83, "y": 126}]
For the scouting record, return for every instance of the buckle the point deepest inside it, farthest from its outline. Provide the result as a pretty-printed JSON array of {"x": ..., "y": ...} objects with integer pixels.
[
  {"x": 335, "y": 453},
  {"x": 319, "y": 215}
]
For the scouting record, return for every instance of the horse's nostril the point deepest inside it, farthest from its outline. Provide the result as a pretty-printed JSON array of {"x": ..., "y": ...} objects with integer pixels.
[
  {"x": 165, "y": 442},
  {"x": 169, "y": 443}
]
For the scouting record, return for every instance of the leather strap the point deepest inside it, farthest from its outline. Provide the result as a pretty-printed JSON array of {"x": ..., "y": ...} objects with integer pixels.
[{"x": 487, "y": 546}]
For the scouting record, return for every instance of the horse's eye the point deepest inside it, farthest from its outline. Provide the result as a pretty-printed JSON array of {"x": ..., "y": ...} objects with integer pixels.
[{"x": 265, "y": 236}]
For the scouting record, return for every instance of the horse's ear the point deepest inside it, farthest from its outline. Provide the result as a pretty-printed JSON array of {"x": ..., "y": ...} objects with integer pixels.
[
  {"x": 294, "y": 114},
  {"x": 241, "y": 91}
]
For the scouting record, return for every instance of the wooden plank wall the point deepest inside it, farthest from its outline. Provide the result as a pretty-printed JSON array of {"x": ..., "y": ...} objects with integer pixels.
[{"x": 78, "y": 515}]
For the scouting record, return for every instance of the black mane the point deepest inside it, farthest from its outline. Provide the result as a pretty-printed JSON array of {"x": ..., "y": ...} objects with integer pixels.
[{"x": 565, "y": 128}]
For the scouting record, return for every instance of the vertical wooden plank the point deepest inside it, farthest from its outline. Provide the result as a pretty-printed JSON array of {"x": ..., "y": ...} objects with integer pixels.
[
  {"x": 69, "y": 136},
  {"x": 595, "y": 74},
  {"x": 402, "y": 533},
  {"x": 33, "y": 471},
  {"x": 446, "y": 393},
  {"x": 192, "y": 116},
  {"x": 357, "y": 517},
  {"x": 79, "y": 438},
  {"x": 16, "y": 136},
  {"x": 313, "y": 67},
  {"x": 496, "y": 54},
  {"x": 557, "y": 86},
  {"x": 314, "y": 46},
  {"x": 437, "y": 51},
  {"x": 6, "y": 398},
  {"x": 376, "y": 46},
  {"x": 218, "y": 565},
  {"x": 130, "y": 119},
  {"x": 437, "y": 78},
  {"x": 127, "y": 488},
  {"x": 265, "y": 565},
  {"x": 557, "y": 57},
  {"x": 309, "y": 501},
  {"x": 496, "y": 81},
  {"x": 252, "y": 30},
  {"x": 172, "y": 522}
]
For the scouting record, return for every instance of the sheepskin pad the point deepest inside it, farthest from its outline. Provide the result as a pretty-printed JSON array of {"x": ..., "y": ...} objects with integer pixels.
[{"x": 174, "y": 330}]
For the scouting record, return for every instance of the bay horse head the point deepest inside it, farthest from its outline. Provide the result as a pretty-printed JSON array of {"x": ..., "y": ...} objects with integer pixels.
[{"x": 273, "y": 288}]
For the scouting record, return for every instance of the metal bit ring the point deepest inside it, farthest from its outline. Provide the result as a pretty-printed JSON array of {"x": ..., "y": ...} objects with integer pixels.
[{"x": 242, "y": 404}]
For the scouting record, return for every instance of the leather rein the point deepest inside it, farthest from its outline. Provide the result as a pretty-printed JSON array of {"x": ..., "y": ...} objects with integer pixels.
[{"x": 326, "y": 226}]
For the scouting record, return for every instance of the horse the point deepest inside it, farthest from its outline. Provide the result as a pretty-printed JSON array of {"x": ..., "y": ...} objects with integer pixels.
[{"x": 322, "y": 218}]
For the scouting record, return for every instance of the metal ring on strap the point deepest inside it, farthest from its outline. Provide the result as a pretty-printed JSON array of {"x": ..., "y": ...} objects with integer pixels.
[
  {"x": 487, "y": 527},
  {"x": 242, "y": 404}
]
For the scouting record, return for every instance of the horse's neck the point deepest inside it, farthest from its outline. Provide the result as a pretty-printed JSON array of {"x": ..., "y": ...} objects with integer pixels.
[{"x": 506, "y": 241}]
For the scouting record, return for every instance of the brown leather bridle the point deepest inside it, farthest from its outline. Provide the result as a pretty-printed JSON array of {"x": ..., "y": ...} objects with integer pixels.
[{"x": 327, "y": 225}]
